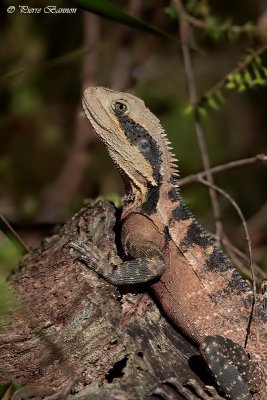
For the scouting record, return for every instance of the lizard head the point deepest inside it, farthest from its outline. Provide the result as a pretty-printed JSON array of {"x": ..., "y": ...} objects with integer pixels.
[{"x": 134, "y": 139}]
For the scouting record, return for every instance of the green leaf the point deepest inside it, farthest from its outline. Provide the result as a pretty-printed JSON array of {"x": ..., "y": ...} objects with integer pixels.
[
  {"x": 247, "y": 77},
  {"x": 232, "y": 35},
  {"x": 9, "y": 257},
  {"x": 212, "y": 103},
  {"x": 241, "y": 88},
  {"x": 171, "y": 11},
  {"x": 115, "y": 198},
  {"x": 230, "y": 85},
  {"x": 108, "y": 10},
  {"x": 3, "y": 389},
  {"x": 238, "y": 78},
  {"x": 220, "y": 97},
  {"x": 248, "y": 26},
  {"x": 259, "y": 79},
  {"x": 202, "y": 111},
  {"x": 258, "y": 60},
  {"x": 189, "y": 109}
]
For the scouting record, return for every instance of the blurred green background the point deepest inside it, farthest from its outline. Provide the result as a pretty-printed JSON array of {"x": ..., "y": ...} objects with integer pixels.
[{"x": 50, "y": 161}]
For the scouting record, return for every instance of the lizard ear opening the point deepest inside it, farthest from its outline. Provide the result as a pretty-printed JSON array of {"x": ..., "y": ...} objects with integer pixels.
[{"x": 120, "y": 107}]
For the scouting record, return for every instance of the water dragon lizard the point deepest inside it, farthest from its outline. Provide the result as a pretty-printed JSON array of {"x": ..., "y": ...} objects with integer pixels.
[{"x": 198, "y": 288}]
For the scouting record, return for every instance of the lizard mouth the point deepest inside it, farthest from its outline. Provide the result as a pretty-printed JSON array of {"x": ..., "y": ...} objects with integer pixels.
[
  {"x": 94, "y": 117},
  {"x": 101, "y": 128}
]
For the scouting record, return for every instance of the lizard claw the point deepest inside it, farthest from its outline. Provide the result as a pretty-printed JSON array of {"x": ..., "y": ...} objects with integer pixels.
[
  {"x": 198, "y": 393},
  {"x": 204, "y": 393},
  {"x": 87, "y": 253}
]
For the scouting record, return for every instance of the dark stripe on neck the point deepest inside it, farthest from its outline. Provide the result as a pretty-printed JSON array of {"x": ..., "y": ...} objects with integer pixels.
[
  {"x": 181, "y": 212},
  {"x": 139, "y": 137},
  {"x": 196, "y": 235}
]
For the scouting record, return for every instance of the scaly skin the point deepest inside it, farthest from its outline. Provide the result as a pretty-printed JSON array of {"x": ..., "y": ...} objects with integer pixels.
[{"x": 199, "y": 289}]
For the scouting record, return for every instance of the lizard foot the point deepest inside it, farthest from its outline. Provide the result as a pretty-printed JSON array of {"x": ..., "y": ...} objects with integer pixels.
[
  {"x": 40, "y": 392},
  {"x": 35, "y": 392},
  {"x": 138, "y": 270},
  {"x": 87, "y": 253},
  {"x": 192, "y": 390}
]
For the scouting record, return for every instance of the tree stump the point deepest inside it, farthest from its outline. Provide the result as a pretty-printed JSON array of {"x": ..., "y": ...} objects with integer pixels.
[{"x": 71, "y": 325}]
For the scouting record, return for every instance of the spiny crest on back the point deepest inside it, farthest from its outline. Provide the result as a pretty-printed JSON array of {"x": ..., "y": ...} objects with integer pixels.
[{"x": 170, "y": 166}]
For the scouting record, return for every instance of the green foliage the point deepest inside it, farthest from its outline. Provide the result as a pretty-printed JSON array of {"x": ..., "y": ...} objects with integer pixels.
[
  {"x": 198, "y": 7},
  {"x": 9, "y": 256},
  {"x": 115, "y": 198},
  {"x": 171, "y": 11},
  {"x": 107, "y": 9},
  {"x": 252, "y": 76},
  {"x": 3, "y": 389},
  {"x": 7, "y": 390},
  {"x": 29, "y": 207},
  {"x": 214, "y": 27},
  {"x": 213, "y": 100},
  {"x": 218, "y": 30}
]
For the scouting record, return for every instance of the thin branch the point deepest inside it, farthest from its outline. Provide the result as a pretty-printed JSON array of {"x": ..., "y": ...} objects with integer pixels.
[
  {"x": 241, "y": 216},
  {"x": 259, "y": 158},
  {"x": 228, "y": 245},
  {"x": 258, "y": 220},
  {"x": 12, "y": 235},
  {"x": 185, "y": 34},
  {"x": 202, "y": 25},
  {"x": 248, "y": 240},
  {"x": 198, "y": 23}
]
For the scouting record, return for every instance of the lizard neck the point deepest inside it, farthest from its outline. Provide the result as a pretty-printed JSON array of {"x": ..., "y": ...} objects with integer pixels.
[
  {"x": 152, "y": 197},
  {"x": 150, "y": 193},
  {"x": 156, "y": 202}
]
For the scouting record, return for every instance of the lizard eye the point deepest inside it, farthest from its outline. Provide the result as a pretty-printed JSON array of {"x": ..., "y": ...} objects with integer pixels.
[{"x": 119, "y": 107}]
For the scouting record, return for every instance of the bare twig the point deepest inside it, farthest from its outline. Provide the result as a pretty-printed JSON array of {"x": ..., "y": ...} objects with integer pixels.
[
  {"x": 237, "y": 208},
  {"x": 245, "y": 260},
  {"x": 12, "y": 235},
  {"x": 185, "y": 34},
  {"x": 258, "y": 220},
  {"x": 202, "y": 25},
  {"x": 259, "y": 158},
  {"x": 241, "y": 216}
]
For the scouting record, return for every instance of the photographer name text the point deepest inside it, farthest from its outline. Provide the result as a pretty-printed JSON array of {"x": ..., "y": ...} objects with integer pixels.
[{"x": 45, "y": 10}]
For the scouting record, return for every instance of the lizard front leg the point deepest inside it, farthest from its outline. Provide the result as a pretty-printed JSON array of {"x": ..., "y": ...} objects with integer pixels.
[
  {"x": 129, "y": 272},
  {"x": 142, "y": 245}
]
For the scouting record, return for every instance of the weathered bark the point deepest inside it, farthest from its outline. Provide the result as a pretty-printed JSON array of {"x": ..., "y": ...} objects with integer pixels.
[{"x": 70, "y": 322}]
